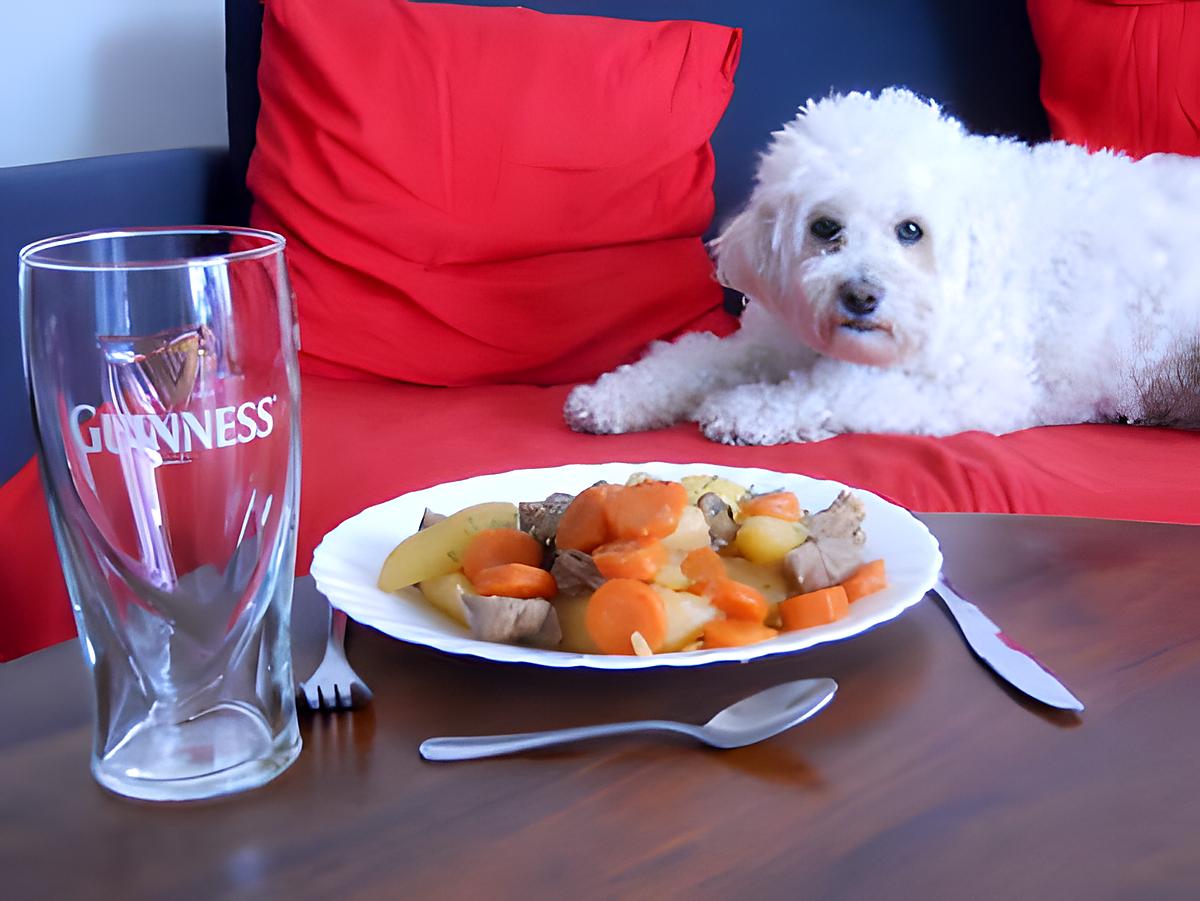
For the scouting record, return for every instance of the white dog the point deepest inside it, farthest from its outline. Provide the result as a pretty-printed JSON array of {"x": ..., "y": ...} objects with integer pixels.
[{"x": 903, "y": 275}]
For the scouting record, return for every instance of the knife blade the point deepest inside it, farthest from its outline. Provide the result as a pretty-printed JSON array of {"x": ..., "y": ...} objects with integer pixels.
[{"x": 1006, "y": 658}]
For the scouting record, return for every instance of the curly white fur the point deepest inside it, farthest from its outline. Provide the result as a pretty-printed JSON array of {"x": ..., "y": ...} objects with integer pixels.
[{"x": 1040, "y": 285}]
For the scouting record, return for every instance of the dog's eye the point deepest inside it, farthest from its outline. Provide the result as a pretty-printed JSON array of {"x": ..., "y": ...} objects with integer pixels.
[
  {"x": 825, "y": 228},
  {"x": 908, "y": 232}
]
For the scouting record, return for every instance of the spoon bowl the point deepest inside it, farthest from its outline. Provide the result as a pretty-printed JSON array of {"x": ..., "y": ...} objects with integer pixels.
[
  {"x": 767, "y": 713},
  {"x": 753, "y": 719}
]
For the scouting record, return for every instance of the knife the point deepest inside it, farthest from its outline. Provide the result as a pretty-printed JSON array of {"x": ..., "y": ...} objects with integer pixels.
[{"x": 1006, "y": 658}]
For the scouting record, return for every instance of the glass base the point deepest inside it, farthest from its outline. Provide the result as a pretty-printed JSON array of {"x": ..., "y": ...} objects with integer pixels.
[{"x": 227, "y": 749}]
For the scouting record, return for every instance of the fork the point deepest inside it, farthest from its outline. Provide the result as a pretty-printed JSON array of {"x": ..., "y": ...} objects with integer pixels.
[{"x": 335, "y": 685}]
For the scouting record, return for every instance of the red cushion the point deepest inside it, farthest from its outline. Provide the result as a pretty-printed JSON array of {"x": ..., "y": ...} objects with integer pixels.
[
  {"x": 1122, "y": 74},
  {"x": 34, "y": 610},
  {"x": 477, "y": 195},
  {"x": 364, "y": 443}
]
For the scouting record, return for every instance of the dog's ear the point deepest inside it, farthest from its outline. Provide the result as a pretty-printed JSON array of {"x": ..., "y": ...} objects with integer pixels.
[
  {"x": 735, "y": 253},
  {"x": 755, "y": 244}
]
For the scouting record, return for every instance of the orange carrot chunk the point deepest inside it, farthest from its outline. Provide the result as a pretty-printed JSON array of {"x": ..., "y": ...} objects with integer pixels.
[
  {"x": 620, "y": 607},
  {"x": 780, "y": 504},
  {"x": 493, "y": 547},
  {"x": 638, "y": 558},
  {"x": 816, "y": 608},
  {"x": 647, "y": 510},
  {"x": 703, "y": 565},
  {"x": 584, "y": 524},
  {"x": 733, "y": 633},
  {"x": 515, "y": 580},
  {"x": 867, "y": 579},
  {"x": 735, "y": 599}
]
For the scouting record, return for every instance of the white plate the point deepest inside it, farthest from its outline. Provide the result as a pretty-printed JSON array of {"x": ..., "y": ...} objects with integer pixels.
[{"x": 346, "y": 564}]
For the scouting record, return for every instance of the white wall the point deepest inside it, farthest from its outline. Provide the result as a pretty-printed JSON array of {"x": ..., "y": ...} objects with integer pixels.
[{"x": 91, "y": 77}]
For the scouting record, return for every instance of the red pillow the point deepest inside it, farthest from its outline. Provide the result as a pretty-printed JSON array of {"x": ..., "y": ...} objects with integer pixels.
[
  {"x": 1121, "y": 74},
  {"x": 476, "y": 194}
]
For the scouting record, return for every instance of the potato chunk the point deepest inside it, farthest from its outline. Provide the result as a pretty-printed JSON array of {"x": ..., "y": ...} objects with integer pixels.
[
  {"x": 572, "y": 618},
  {"x": 687, "y": 615},
  {"x": 691, "y": 533},
  {"x": 439, "y": 549},
  {"x": 670, "y": 575},
  {"x": 768, "y": 578},
  {"x": 765, "y": 539},
  {"x": 445, "y": 593}
]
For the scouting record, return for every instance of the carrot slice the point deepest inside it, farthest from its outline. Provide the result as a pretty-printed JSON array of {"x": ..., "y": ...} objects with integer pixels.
[
  {"x": 733, "y": 633},
  {"x": 780, "y": 504},
  {"x": 638, "y": 558},
  {"x": 816, "y": 608},
  {"x": 493, "y": 547},
  {"x": 703, "y": 565},
  {"x": 647, "y": 510},
  {"x": 620, "y": 607},
  {"x": 736, "y": 600},
  {"x": 867, "y": 579},
  {"x": 584, "y": 525},
  {"x": 515, "y": 580}
]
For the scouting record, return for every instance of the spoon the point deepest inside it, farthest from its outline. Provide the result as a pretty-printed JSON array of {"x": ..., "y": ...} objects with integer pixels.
[{"x": 745, "y": 722}]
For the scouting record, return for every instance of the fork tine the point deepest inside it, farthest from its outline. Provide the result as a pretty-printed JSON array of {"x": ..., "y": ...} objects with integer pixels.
[{"x": 308, "y": 694}]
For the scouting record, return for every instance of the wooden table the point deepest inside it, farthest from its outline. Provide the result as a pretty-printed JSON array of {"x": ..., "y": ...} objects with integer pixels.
[{"x": 925, "y": 778}]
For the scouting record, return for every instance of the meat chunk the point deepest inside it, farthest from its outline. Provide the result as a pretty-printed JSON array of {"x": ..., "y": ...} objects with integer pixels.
[
  {"x": 721, "y": 527},
  {"x": 575, "y": 572},
  {"x": 841, "y": 519},
  {"x": 833, "y": 550},
  {"x": 821, "y": 563},
  {"x": 512, "y": 620},
  {"x": 540, "y": 518}
]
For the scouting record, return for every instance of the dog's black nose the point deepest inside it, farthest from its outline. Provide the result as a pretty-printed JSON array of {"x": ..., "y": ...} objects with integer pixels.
[{"x": 860, "y": 298}]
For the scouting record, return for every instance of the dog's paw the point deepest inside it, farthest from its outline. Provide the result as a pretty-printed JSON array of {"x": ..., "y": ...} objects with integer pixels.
[
  {"x": 760, "y": 415},
  {"x": 585, "y": 412},
  {"x": 725, "y": 431},
  {"x": 620, "y": 401},
  {"x": 602, "y": 409}
]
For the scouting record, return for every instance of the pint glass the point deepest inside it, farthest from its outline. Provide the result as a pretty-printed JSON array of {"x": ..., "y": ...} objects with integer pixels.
[{"x": 162, "y": 369}]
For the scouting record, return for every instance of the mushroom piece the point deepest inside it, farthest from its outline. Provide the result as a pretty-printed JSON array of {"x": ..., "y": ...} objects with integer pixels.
[
  {"x": 575, "y": 572},
  {"x": 540, "y": 518},
  {"x": 721, "y": 527},
  {"x": 833, "y": 550},
  {"x": 511, "y": 620}
]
